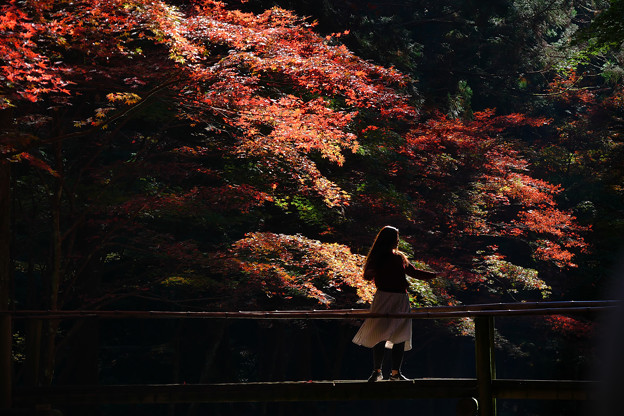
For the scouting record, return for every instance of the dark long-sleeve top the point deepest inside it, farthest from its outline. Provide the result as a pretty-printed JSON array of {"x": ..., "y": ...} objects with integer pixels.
[{"x": 389, "y": 275}]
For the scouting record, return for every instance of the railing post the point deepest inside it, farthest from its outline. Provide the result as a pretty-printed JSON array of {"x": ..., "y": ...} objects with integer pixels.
[
  {"x": 32, "y": 364},
  {"x": 486, "y": 369}
]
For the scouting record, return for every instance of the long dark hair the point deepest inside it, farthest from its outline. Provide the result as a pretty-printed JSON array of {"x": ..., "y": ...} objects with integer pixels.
[{"x": 386, "y": 243}]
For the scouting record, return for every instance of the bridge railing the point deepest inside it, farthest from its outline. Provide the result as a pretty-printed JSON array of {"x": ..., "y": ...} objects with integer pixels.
[
  {"x": 485, "y": 387},
  {"x": 430, "y": 312}
]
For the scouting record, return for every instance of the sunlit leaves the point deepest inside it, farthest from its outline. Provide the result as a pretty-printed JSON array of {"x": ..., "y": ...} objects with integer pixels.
[
  {"x": 569, "y": 327},
  {"x": 25, "y": 72},
  {"x": 284, "y": 92},
  {"x": 36, "y": 162},
  {"x": 568, "y": 87},
  {"x": 125, "y": 97},
  {"x": 484, "y": 189},
  {"x": 496, "y": 268},
  {"x": 292, "y": 266},
  {"x": 268, "y": 87}
]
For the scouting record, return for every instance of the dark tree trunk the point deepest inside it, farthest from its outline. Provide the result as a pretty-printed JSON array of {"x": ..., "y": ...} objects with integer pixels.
[{"x": 6, "y": 334}]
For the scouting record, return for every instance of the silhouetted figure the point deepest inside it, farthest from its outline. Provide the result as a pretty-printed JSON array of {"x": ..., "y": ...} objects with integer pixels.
[{"x": 387, "y": 267}]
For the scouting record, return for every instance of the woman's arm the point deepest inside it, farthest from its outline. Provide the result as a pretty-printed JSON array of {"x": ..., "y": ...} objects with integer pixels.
[{"x": 412, "y": 271}]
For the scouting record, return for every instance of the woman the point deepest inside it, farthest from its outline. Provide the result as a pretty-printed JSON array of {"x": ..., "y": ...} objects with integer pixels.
[{"x": 387, "y": 267}]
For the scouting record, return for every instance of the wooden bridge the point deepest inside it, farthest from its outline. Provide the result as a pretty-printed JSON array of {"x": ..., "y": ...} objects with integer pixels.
[{"x": 485, "y": 386}]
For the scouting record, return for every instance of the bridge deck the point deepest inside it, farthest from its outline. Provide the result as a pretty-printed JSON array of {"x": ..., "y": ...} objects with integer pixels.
[
  {"x": 338, "y": 390},
  {"x": 485, "y": 387}
]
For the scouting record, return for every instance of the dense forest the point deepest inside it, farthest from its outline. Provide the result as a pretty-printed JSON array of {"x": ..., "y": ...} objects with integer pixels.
[{"x": 242, "y": 155}]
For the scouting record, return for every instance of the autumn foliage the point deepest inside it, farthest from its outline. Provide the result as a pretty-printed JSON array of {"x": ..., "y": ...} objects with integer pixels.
[
  {"x": 284, "y": 267},
  {"x": 175, "y": 144}
]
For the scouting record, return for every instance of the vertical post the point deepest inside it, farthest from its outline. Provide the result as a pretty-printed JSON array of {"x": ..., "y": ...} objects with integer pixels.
[
  {"x": 486, "y": 369},
  {"x": 6, "y": 333},
  {"x": 32, "y": 364}
]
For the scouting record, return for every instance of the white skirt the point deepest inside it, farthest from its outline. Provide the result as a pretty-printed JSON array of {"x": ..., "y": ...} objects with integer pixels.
[{"x": 391, "y": 330}]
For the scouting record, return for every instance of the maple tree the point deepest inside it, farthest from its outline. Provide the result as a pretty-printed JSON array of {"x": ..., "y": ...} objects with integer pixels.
[
  {"x": 264, "y": 89},
  {"x": 463, "y": 187},
  {"x": 221, "y": 86},
  {"x": 287, "y": 266},
  {"x": 263, "y": 80},
  {"x": 196, "y": 156}
]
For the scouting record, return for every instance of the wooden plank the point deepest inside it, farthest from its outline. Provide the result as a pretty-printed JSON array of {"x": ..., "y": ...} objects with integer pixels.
[
  {"x": 294, "y": 391},
  {"x": 247, "y": 392},
  {"x": 545, "y": 389}
]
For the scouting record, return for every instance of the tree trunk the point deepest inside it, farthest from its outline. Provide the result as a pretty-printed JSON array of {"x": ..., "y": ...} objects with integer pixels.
[
  {"x": 6, "y": 330},
  {"x": 55, "y": 278},
  {"x": 6, "y": 334},
  {"x": 55, "y": 269}
]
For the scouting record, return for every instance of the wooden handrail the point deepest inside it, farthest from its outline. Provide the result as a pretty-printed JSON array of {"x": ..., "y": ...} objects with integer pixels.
[{"x": 433, "y": 312}]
